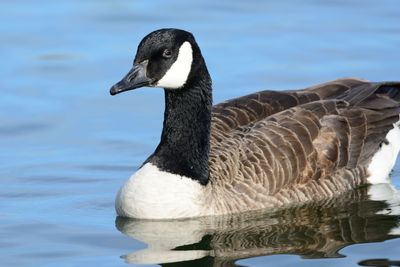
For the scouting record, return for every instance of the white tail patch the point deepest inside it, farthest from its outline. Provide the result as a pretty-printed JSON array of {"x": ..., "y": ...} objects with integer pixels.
[
  {"x": 384, "y": 160},
  {"x": 178, "y": 73},
  {"x": 154, "y": 194}
]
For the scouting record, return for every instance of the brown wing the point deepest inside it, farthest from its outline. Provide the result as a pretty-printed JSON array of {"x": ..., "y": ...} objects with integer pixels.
[
  {"x": 316, "y": 147},
  {"x": 234, "y": 113}
]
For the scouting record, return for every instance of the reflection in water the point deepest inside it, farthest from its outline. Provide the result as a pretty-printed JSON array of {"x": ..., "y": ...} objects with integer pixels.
[
  {"x": 379, "y": 263},
  {"x": 314, "y": 230}
]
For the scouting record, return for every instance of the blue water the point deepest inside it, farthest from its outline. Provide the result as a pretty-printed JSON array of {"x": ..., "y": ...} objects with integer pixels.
[{"x": 66, "y": 146}]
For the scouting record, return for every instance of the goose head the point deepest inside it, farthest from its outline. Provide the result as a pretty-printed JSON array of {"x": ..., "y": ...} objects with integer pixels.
[{"x": 166, "y": 58}]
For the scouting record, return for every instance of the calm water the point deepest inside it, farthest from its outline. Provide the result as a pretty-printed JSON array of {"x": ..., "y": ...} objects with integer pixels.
[{"x": 66, "y": 146}]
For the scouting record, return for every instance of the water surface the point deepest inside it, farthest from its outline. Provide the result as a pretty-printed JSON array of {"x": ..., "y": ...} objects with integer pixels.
[{"x": 67, "y": 146}]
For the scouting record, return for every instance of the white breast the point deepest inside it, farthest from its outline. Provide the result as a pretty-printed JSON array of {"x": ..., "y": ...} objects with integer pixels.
[{"x": 154, "y": 194}]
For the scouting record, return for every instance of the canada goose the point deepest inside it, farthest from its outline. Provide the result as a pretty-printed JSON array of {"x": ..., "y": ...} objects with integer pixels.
[{"x": 258, "y": 151}]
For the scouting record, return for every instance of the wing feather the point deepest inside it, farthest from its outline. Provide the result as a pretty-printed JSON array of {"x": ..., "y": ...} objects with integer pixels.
[{"x": 317, "y": 140}]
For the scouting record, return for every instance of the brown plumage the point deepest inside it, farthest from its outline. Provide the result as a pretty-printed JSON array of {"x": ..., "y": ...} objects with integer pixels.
[{"x": 271, "y": 148}]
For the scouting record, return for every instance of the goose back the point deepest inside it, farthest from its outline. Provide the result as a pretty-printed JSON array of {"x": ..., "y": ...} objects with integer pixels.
[{"x": 273, "y": 148}]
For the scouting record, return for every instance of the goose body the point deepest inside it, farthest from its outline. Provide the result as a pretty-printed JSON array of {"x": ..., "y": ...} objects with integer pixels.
[{"x": 259, "y": 151}]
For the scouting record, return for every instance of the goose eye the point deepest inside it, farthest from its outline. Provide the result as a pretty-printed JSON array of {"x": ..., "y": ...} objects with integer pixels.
[{"x": 167, "y": 53}]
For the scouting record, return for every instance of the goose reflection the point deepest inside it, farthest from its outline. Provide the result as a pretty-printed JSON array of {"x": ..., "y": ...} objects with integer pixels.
[{"x": 314, "y": 230}]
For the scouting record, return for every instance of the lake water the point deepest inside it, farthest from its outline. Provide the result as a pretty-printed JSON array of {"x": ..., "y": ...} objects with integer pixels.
[{"x": 66, "y": 146}]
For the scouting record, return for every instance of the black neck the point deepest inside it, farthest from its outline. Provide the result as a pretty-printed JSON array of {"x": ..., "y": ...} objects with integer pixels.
[{"x": 185, "y": 139}]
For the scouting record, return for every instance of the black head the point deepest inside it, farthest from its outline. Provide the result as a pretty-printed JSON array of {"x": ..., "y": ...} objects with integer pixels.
[{"x": 165, "y": 58}]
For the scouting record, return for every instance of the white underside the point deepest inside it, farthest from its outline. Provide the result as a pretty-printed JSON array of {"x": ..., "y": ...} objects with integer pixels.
[
  {"x": 163, "y": 237},
  {"x": 154, "y": 194},
  {"x": 384, "y": 160}
]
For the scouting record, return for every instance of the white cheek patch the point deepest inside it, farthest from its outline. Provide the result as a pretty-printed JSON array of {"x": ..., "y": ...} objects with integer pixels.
[{"x": 178, "y": 73}]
